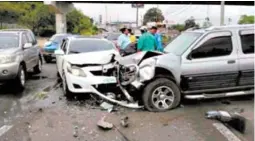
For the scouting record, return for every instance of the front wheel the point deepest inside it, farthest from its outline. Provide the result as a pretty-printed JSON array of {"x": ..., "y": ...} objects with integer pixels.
[
  {"x": 66, "y": 91},
  {"x": 20, "y": 79},
  {"x": 38, "y": 67},
  {"x": 161, "y": 95}
]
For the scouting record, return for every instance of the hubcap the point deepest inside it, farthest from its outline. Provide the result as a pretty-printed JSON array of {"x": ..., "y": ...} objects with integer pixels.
[
  {"x": 22, "y": 77},
  {"x": 162, "y": 97}
]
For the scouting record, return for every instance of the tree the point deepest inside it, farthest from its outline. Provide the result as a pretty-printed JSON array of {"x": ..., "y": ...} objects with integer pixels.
[
  {"x": 78, "y": 23},
  {"x": 153, "y": 15},
  {"x": 9, "y": 12},
  {"x": 189, "y": 23},
  {"x": 179, "y": 27},
  {"x": 37, "y": 16},
  {"x": 244, "y": 19}
]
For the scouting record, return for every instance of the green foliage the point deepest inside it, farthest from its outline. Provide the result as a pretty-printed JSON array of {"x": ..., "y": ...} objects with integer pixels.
[
  {"x": 40, "y": 18},
  {"x": 244, "y": 19},
  {"x": 153, "y": 15},
  {"x": 78, "y": 23},
  {"x": 179, "y": 27}
]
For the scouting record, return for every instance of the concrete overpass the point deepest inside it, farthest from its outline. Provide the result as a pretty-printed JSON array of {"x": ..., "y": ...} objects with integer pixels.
[{"x": 63, "y": 7}]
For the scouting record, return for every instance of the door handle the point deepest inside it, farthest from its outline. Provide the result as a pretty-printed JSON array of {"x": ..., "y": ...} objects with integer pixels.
[{"x": 231, "y": 61}]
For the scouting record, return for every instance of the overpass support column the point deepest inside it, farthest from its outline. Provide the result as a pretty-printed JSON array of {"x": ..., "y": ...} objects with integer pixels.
[{"x": 61, "y": 23}]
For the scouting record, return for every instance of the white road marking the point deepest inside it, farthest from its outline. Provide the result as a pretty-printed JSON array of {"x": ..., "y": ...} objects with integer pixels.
[
  {"x": 226, "y": 132},
  {"x": 4, "y": 129}
]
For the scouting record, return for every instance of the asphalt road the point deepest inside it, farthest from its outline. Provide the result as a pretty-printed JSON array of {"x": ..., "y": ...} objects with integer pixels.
[{"x": 41, "y": 113}]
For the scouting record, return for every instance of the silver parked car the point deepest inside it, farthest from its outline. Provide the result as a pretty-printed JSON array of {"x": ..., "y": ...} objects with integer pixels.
[{"x": 19, "y": 53}]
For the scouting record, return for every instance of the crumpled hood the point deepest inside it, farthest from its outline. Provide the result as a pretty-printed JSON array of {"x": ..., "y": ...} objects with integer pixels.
[
  {"x": 100, "y": 57},
  {"x": 9, "y": 51}
]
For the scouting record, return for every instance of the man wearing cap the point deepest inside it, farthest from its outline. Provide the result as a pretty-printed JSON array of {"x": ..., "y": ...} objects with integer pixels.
[
  {"x": 157, "y": 37},
  {"x": 146, "y": 42}
]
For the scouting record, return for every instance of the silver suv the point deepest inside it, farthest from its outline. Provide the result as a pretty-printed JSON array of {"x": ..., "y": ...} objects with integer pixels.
[
  {"x": 216, "y": 62},
  {"x": 19, "y": 53}
]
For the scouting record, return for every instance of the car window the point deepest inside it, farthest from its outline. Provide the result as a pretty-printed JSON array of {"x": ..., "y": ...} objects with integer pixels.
[
  {"x": 87, "y": 45},
  {"x": 9, "y": 40},
  {"x": 30, "y": 39},
  {"x": 247, "y": 42},
  {"x": 64, "y": 46},
  {"x": 113, "y": 36},
  {"x": 58, "y": 38},
  {"x": 214, "y": 47},
  {"x": 24, "y": 39},
  {"x": 180, "y": 44}
]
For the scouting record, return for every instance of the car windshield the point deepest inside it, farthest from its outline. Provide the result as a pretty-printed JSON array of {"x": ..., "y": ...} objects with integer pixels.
[
  {"x": 180, "y": 44},
  {"x": 9, "y": 40},
  {"x": 87, "y": 45},
  {"x": 113, "y": 36},
  {"x": 57, "y": 38}
]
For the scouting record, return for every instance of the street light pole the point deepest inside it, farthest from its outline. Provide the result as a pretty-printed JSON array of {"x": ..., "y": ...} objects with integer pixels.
[
  {"x": 137, "y": 16},
  {"x": 222, "y": 11}
]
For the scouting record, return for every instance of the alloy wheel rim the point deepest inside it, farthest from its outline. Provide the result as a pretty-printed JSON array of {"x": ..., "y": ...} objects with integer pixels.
[
  {"x": 162, "y": 97},
  {"x": 22, "y": 77}
]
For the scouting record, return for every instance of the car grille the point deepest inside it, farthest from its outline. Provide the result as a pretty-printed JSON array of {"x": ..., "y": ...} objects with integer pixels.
[{"x": 109, "y": 72}]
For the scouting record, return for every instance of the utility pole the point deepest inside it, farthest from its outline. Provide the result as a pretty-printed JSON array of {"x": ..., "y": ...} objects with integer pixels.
[
  {"x": 137, "y": 16},
  {"x": 106, "y": 14},
  {"x": 222, "y": 11}
]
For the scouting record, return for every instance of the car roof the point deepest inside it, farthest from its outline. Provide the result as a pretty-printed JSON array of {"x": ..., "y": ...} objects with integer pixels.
[
  {"x": 16, "y": 29},
  {"x": 7, "y": 31}
]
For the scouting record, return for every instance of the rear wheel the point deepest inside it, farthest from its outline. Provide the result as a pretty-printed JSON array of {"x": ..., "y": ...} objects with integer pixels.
[
  {"x": 47, "y": 59},
  {"x": 161, "y": 95}
]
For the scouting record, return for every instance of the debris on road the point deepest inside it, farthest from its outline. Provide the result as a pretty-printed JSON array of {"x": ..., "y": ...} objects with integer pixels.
[
  {"x": 104, "y": 125},
  {"x": 41, "y": 95},
  {"x": 124, "y": 121},
  {"x": 234, "y": 120},
  {"x": 40, "y": 110},
  {"x": 75, "y": 133},
  {"x": 106, "y": 106}
]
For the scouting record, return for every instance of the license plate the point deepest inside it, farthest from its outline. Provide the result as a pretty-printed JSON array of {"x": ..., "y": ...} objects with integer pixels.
[{"x": 109, "y": 80}]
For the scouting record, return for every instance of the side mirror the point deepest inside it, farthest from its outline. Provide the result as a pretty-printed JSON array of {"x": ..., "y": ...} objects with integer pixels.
[
  {"x": 59, "y": 52},
  {"x": 27, "y": 45}
]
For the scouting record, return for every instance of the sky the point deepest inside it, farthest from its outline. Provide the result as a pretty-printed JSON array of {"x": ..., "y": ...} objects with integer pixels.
[{"x": 172, "y": 13}]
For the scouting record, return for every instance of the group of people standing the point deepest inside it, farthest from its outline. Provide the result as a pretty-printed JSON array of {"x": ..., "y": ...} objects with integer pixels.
[{"x": 149, "y": 40}]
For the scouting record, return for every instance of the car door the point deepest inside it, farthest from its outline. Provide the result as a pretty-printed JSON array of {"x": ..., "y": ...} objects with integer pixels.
[
  {"x": 246, "y": 57},
  {"x": 27, "y": 52},
  {"x": 59, "y": 58},
  {"x": 211, "y": 64},
  {"x": 33, "y": 50}
]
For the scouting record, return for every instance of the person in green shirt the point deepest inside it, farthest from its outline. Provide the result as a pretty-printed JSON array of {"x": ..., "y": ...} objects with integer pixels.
[{"x": 146, "y": 41}]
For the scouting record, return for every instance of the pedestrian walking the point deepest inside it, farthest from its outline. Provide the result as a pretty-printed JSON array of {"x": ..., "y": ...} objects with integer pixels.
[
  {"x": 158, "y": 38},
  {"x": 146, "y": 41}
]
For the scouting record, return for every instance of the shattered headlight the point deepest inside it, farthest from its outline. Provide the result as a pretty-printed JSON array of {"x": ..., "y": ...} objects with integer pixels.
[
  {"x": 5, "y": 59},
  {"x": 74, "y": 70},
  {"x": 147, "y": 69}
]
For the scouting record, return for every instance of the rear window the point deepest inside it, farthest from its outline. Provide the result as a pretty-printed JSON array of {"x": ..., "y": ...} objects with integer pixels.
[
  {"x": 87, "y": 45},
  {"x": 9, "y": 40},
  {"x": 247, "y": 42}
]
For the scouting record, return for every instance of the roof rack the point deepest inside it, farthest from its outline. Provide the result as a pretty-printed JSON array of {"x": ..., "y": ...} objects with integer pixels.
[{"x": 230, "y": 26}]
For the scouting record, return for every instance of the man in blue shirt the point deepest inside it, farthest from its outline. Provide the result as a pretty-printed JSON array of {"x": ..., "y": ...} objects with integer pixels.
[
  {"x": 123, "y": 39},
  {"x": 158, "y": 38}
]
